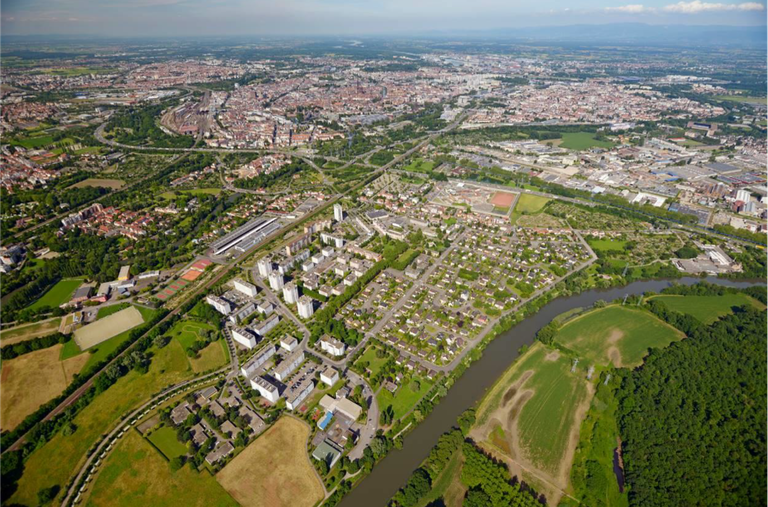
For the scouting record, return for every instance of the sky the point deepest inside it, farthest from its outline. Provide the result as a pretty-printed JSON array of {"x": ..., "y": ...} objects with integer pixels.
[{"x": 139, "y": 18}]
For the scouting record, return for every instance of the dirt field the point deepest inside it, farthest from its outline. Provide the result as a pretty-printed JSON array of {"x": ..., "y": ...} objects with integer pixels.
[
  {"x": 106, "y": 328},
  {"x": 27, "y": 332},
  {"x": 290, "y": 481},
  {"x": 503, "y": 199},
  {"x": 32, "y": 380},
  {"x": 531, "y": 419},
  {"x": 98, "y": 182}
]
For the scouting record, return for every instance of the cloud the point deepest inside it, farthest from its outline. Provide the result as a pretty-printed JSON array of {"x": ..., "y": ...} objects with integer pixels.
[
  {"x": 697, "y": 6},
  {"x": 629, "y": 9}
]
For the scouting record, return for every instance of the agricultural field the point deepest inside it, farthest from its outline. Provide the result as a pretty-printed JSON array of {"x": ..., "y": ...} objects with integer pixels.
[
  {"x": 708, "y": 309},
  {"x": 583, "y": 141},
  {"x": 615, "y": 335},
  {"x": 98, "y": 182},
  {"x": 58, "y": 294},
  {"x": 32, "y": 380},
  {"x": 282, "y": 450},
  {"x": 528, "y": 204},
  {"x": 165, "y": 440},
  {"x": 135, "y": 475},
  {"x": 405, "y": 398},
  {"x": 53, "y": 463},
  {"x": 18, "y": 334},
  {"x": 531, "y": 418},
  {"x": 105, "y": 328}
]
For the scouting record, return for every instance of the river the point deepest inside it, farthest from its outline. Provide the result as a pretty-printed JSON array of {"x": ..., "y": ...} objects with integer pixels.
[{"x": 395, "y": 469}]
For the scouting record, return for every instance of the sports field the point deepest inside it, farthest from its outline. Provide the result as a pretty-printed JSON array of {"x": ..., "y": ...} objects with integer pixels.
[
  {"x": 607, "y": 245},
  {"x": 18, "y": 334},
  {"x": 528, "y": 204},
  {"x": 708, "y": 309},
  {"x": 29, "y": 381},
  {"x": 281, "y": 450},
  {"x": 583, "y": 141},
  {"x": 59, "y": 293},
  {"x": 135, "y": 475},
  {"x": 99, "y": 182},
  {"x": 531, "y": 417},
  {"x": 104, "y": 329},
  {"x": 54, "y": 462},
  {"x": 616, "y": 334},
  {"x": 503, "y": 199}
]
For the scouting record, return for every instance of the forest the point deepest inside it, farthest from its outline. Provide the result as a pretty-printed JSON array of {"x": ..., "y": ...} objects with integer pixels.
[{"x": 692, "y": 418}]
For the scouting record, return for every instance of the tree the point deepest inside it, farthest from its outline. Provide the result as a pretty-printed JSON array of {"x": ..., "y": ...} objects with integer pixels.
[
  {"x": 177, "y": 463},
  {"x": 68, "y": 429},
  {"x": 476, "y": 498},
  {"x": 46, "y": 495}
]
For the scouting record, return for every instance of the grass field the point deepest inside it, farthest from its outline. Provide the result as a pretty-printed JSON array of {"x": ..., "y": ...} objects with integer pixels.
[
  {"x": 532, "y": 415},
  {"x": 374, "y": 363},
  {"x": 59, "y": 293},
  {"x": 106, "y": 311},
  {"x": 583, "y": 141},
  {"x": 98, "y": 182},
  {"x": 404, "y": 398},
  {"x": 448, "y": 485},
  {"x": 741, "y": 99},
  {"x": 53, "y": 463},
  {"x": 708, "y": 309},
  {"x": 419, "y": 165},
  {"x": 105, "y": 328},
  {"x": 135, "y": 475},
  {"x": 18, "y": 334},
  {"x": 616, "y": 334},
  {"x": 282, "y": 451},
  {"x": 215, "y": 355},
  {"x": 29, "y": 381},
  {"x": 33, "y": 142},
  {"x": 528, "y": 204},
  {"x": 165, "y": 440},
  {"x": 607, "y": 245}
]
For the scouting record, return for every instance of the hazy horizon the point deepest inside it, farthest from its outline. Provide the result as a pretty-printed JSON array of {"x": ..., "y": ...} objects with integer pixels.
[{"x": 179, "y": 18}]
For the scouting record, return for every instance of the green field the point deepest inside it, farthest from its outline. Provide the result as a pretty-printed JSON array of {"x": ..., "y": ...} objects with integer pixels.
[
  {"x": 165, "y": 440},
  {"x": 188, "y": 331},
  {"x": 33, "y": 142},
  {"x": 607, "y": 245},
  {"x": 708, "y": 309},
  {"x": 53, "y": 463},
  {"x": 106, "y": 311},
  {"x": 615, "y": 334},
  {"x": 419, "y": 165},
  {"x": 404, "y": 398},
  {"x": 374, "y": 363},
  {"x": 448, "y": 485},
  {"x": 536, "y": 400},
  {"x": 58, "y": 294},
  {"x": 528, "y": 204},
  {"x": 583, "y": 141},
  {"x": 135, "y": 475},
  {"x": 741, "y": 99}
]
